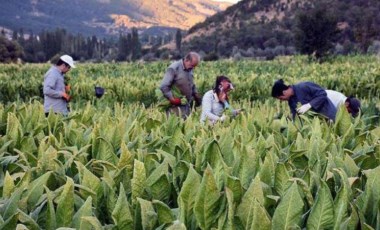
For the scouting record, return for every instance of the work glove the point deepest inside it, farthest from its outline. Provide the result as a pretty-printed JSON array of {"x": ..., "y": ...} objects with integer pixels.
[
  {"x": 65, "y": 96},
  {"x": 223, "y": 118},
  {"x": 304, "y": 108},
  {"x": 175, "y": 101}
]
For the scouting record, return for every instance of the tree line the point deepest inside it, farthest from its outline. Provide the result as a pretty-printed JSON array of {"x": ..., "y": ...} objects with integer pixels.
[{"x": 48, "y": 45}]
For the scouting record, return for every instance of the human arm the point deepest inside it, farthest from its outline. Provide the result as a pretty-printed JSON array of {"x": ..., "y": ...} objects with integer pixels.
[
  {"x": 207, "y": 101},
  {"x": 49, "y": 87},
  {"x": 317, "y": 94},
  {"x": 167, "y": 83}
]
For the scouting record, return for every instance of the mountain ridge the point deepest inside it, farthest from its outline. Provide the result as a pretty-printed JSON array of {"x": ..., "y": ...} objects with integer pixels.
[{"x": 105, "y": 16}]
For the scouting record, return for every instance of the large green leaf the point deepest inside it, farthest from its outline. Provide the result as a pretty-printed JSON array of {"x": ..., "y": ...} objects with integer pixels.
[
  {"x": 8, "y": 185},
  {"x": 11, "y": 204},
  {"x": 288, "y": 212},
  {"x": 248, "y": 167},
  {"x": 255, "y": 191},
  {"x": 207, "y": 201},
  {"x": 186, "y": 197},
  {"x": 281, "y": 179},
  {"x": 65, "y": 207},
  {"x": 370, "y": 199},
  {"x": 121, "y": 215},
  {"x": 51, "y": 222},
  {"x": 158, "y": 184},
  {"x": 106, "y": 151},
  {"x": 322, "y": 212},
  {"x": 138, "y": 180},
  {"x": 165, "y": 214},
  {"x": 341, "y": 201},
  {"x": 148, "y": 214},
  {"x": 84, "y": 210},
  {"x": 35, "y": 189},
  {"x": 259, "y": 217},
  {"x": 89, "y": 180}
]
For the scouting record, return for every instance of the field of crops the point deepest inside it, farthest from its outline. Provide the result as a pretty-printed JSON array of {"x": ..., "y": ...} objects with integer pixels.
[{"x": 119, "y": 163}]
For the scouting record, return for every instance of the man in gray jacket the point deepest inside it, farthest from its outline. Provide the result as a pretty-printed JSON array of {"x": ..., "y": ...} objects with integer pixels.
[
  {"x": 179, "y": 76},
  {"x": 55, "y": 95}
]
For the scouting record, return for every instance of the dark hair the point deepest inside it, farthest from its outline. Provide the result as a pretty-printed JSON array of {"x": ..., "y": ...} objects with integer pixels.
[
  {"x": 218, "y": 80},
  {"x": 60, "y": 62},
  {"x": 278, "y": 88},
  {"x": 354, "y": 105}
]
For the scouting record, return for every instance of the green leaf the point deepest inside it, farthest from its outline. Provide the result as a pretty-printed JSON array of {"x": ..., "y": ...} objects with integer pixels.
[
  {"x": 186, "y": 197},
  {"x": 158, "y": 184},
  {"x": 35, "y": 189},
  {"x": 65, "y": 207},
  {"x": 126, "y": 158},
  {"x": 267, "y": 169},
  {"x": 165, "y": 214},
  {"x": 341, "y": 201},
  {"x": 89, "y": 180},
  {"x": 50, "y": 211},
  {"x": 288, "y": 212},
  {"x": 254, "y": 191},
  {"x": 10, "y": 223},
  {"x": 84, "y": 210},
  {"x": 138, "y": 180},
  {"x": 322, "y": 212},
  {"x": 11, "y": 204},
  {"x": 93, "y": 221},
  {"x": 8, "y": 185},
  {"x": 248, "y": 166},
  {"x": 121, "y": 215},
  {"x": 281, "y": 179},
  {"x": 259, "y": 218},
  {"x": 106, "y": 151},
  {"x": 207, "y": 201},
  {"x": 148, "y": 215}
]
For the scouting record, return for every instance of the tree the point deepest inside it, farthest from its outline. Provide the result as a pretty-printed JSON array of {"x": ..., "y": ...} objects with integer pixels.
[
  {"x": 178, "y": 40},
  {"x": 316, "y": 31},
  {"x": 10, "y": 51},
  {"x": 136, "y": 45}
]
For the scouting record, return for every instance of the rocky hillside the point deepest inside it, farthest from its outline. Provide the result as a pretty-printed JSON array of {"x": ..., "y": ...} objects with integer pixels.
[{"x": 104, "y": 16}]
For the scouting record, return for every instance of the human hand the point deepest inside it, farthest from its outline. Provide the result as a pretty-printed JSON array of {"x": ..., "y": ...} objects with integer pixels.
[
  {"x": 304, "y": 108},
  {"x": 223, "y": 118},
  {"x": 65, "y": 96},
  {"x": 175, "y": 101},
  {"x": 222, "y": 96}
]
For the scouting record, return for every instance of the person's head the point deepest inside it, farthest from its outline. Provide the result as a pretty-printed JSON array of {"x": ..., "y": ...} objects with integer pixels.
[
  {"x": 65, "y": 62},
  {"x": 191, "y": 60},
  {"x": 353, "y": 105},
  {"x": 281, "y": 91},
  {"x": 222, "y": 83}
]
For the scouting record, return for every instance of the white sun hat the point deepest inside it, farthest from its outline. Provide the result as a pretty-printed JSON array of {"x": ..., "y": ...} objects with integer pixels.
[{"x": 68, "y": 59}]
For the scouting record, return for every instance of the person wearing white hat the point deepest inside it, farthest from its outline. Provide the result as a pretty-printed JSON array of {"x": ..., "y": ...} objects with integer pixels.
[{"x": 55, "y": 95}]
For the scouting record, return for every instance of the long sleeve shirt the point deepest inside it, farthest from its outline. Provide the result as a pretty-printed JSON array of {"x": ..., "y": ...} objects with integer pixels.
[
  {"x": 212, "y": 109},
  {"x": 54, "y": 86},
  {"x": 309, "y": 92},
  {"x": 176, "y": 75}
]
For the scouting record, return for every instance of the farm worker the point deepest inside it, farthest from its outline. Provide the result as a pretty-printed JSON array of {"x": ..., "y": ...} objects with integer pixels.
[
  {"x": 215, "y": 101},
  {"x": 54, "y": 89},
  {"x": 179, "y": 79},
  {"x": 352, "y": 104},
  {"x": 309, "y": 94}
]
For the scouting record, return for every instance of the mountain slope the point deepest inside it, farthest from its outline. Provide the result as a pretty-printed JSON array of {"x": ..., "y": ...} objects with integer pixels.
[
  {"x": 100, "y": 16},
  {"x": 256, "y": 25}
]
